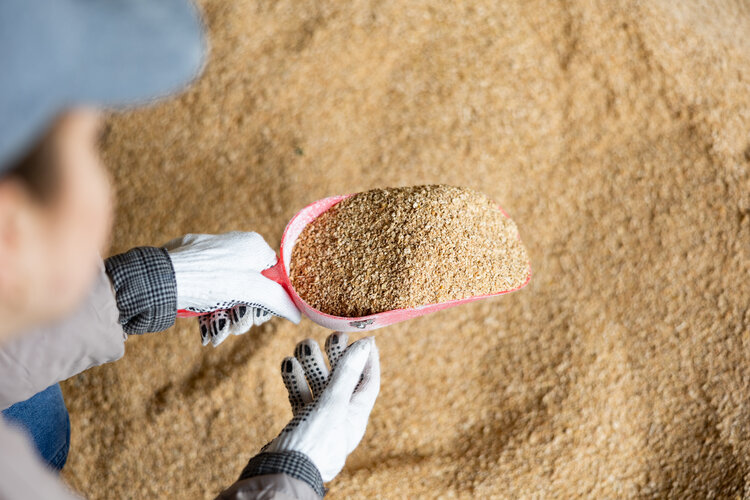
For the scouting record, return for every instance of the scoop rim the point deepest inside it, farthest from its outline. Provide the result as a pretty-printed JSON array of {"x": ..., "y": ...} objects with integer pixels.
[{"x": 355, "y": 319}]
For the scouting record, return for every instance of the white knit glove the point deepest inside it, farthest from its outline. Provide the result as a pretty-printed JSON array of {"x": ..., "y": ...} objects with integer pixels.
[
  {"x": 221, "y": 275},
  {"x": 330, "y": 412}
]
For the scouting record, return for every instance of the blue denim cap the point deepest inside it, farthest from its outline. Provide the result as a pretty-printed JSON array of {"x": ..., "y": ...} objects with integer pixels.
[{"x": 56, "y": 54}]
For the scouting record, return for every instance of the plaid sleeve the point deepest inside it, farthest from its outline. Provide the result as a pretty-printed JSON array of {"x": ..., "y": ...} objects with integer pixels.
[
  {"x": 145, "y": 289},
  {"x": 292, "y": 463}
]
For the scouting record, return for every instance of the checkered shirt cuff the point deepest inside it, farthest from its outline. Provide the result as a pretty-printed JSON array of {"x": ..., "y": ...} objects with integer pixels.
[
  {"x": 145, "y": 289},
  {"x": 292, "y": 463}
]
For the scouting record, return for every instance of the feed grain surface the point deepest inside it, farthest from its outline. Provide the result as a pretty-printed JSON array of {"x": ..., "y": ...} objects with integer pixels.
[{"x": 621, "y": 371}]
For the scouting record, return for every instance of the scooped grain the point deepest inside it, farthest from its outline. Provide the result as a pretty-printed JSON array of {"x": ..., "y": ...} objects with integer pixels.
[{"x": 406, "y": 247}]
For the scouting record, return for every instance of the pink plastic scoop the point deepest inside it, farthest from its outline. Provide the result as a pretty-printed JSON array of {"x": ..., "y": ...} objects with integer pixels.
[{"x": 280, "y": 274}]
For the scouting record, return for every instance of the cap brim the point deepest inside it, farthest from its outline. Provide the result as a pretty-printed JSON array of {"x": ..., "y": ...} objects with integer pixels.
[
  {"x": 111, "y": 54},
  {"x": 159, "y": 50}
]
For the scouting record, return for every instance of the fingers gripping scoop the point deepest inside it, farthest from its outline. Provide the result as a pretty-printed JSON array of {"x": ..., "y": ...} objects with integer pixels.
[{"x": 214, "y": 327}]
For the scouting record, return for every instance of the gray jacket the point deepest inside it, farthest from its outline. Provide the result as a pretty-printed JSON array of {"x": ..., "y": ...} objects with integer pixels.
[{"x": 94, "y": 334}]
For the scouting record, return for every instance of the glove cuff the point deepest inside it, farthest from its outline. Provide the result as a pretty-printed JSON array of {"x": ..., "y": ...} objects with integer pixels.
[
  {"x": 145, "y": 289},
  {"x": 292, "y": 463}
]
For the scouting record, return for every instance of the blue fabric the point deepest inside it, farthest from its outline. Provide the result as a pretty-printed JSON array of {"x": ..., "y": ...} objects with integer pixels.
[
  {"x": 61, "y": 53},
  {"x": 45, "y": 418}
]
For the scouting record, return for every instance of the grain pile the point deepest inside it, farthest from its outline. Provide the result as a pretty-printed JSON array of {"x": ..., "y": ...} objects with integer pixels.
[
  {"x": 615, "y": 134},
  {"x": 397, "y": 248}
]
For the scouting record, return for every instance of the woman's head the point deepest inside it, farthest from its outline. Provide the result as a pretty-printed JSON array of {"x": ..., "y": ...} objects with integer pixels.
[
  {"x": 55, "y": 216},
  {"x": 55, "y": 201}
]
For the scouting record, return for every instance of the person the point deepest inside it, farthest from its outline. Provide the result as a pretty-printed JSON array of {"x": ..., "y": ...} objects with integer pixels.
[{"x": 65, "y": 310}]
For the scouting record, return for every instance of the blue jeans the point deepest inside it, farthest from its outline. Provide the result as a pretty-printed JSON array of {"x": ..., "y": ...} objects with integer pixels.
[{"x": 45, "y": 419}]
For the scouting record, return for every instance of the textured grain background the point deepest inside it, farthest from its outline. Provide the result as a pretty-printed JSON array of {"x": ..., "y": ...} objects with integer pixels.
[{"x": 616, "y": 134}]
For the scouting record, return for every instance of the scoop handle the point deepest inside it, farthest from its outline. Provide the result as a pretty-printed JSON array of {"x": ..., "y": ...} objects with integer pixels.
[
  {"x": 273, "y": 273},
  {"x": 184, "y": 313}
]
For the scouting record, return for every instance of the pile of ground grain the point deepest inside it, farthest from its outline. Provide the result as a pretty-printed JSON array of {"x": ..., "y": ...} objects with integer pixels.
[
  {"x": 616, "y": 135},
  {"x": 398, "y": 248}
]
